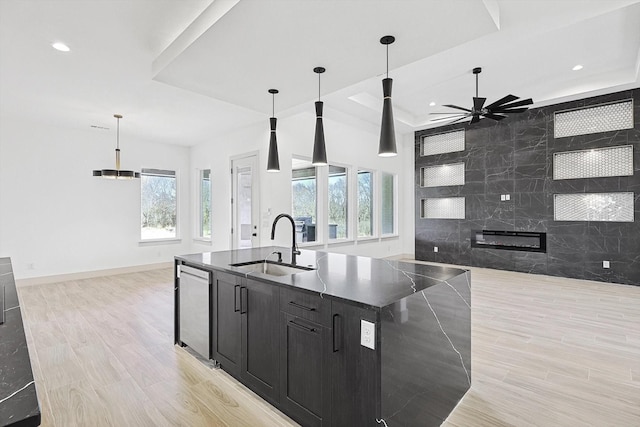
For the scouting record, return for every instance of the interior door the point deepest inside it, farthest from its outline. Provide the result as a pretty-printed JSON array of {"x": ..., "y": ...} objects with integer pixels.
[{"x": 244, "y": 202}]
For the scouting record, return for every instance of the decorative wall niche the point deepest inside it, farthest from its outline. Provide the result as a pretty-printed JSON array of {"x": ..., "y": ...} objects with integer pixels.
[
  {"x": 443, "y": 208},
  {"x": 442, "y": 175},
  {"x": 612, "y": 207},
  {"x": 448, "y": 142},
  {"x": 596, "y": 163},
  {"x": 600, "y": 118}
]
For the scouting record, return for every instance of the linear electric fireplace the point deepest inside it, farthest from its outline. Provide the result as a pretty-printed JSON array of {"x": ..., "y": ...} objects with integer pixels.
[{"x": 510, "y": 240}]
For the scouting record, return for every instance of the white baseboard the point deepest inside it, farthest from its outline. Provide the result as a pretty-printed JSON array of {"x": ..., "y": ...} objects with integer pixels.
[
  {"x": 399, "y": 257},
  {"x": 90, "y": 274}
]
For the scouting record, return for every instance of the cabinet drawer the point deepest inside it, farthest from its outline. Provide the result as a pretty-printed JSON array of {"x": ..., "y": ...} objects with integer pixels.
[{"x": 306, "y": 305}]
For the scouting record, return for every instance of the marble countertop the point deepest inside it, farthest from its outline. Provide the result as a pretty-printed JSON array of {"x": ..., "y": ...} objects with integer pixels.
[
  {"x": 18, "y": 398},
  {"x": 369, "y": 281}
]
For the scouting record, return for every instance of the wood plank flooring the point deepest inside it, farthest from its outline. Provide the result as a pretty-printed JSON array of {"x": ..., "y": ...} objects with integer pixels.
[{"x": 546, "y": 351}]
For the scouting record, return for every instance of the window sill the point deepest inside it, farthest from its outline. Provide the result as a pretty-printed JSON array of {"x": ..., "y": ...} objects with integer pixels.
[
  {"x": 368, "y": 239},
  {"x": 389, "y": 236},
  {"x": 336, "y": 242},
  {"x": 202, "y": 240},
  {"x": 159, "y": 242},
  {"x": 310, "y": 244}
]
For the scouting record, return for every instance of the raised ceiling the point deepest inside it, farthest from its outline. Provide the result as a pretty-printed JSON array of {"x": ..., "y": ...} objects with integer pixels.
[{"x": 184, "y": 71}]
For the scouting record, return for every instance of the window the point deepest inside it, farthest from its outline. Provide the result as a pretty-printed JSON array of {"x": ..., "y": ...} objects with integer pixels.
[
  {"x": 387, "y": 214},
  {"x": 204, "y": 229},
  {"x": 365, "y": 203},
  {"x": 338, "y": 199},
  {"x": 159, "y": 204},
  {"x": 304, "y": 200}
]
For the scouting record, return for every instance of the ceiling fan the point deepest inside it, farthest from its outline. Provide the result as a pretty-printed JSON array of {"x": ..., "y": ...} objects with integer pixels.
[{"x": 494, "y": 111}]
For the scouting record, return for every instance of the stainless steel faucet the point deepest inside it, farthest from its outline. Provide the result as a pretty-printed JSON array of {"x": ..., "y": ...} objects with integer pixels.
[{"x": 294, "y": 246}]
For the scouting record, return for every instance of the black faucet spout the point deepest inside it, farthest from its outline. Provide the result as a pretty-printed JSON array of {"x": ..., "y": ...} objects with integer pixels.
[{"x": 294, "y": 246}]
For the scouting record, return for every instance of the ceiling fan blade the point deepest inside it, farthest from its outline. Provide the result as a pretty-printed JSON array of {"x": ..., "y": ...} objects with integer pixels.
[
  {"x": 520, "y": 103},
  {"x": 501, "y": 101},
  {"x": 494, "y": 116},
  {"x": 475, "y": 119},
  {"x": 451, "y": 117},
  {"x": 478, "y": 103},
  {"x": 505, "y": 110},
  {"x": 460, "y": 119},
  {"x": 451, "y": 114},
  {"x": 459, "y": 108}
]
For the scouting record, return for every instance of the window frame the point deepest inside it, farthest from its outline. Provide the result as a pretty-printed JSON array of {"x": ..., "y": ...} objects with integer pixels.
[
  {"x": 198, "y": 230},
  {"x": 374, "y": 201},
  {"x": 158, "y": 172},
  {"x": 394, "y": 202},
  {"x": 349, "y": 202},
  {"x": 320, "y": 232}
]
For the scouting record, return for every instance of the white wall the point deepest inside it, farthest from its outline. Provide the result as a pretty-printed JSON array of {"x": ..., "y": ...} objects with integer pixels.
[
  {"x": 56, "y": 218},
  {"x": 346, "y": 145}
]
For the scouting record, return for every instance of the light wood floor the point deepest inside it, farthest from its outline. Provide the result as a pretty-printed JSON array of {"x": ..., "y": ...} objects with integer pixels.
[{"x": 546, "y": 352}]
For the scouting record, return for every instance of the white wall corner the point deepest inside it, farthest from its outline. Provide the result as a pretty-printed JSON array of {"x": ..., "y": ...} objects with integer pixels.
[{"x": 494, "y": 11}]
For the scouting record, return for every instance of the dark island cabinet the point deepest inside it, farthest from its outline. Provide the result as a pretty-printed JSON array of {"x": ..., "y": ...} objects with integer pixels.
[
  {"x": 355, "y": 369},
  {"x": 245, "y": 329},
  {"x": 227, "y": 322},
  {"x": 305, "y": 378},
  {"x": 260, "y": 320}
]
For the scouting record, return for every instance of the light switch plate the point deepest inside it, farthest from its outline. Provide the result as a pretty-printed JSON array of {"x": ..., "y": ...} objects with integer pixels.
[{"x": 368, "y": 334}]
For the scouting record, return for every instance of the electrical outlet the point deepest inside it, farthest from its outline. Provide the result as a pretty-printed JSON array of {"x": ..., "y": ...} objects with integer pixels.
[
  {"x": 435, "y": 249},
  {"x": 503, "y": 197},
  {"x": 605, "y": 264},
  {"x": 368, "y": 334},
  {"x": 507, "y": 197}
]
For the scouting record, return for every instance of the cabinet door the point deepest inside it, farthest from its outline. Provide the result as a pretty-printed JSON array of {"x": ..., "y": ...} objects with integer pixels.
[
  {"x": 304, "y": 370},
  {"x": 259, "y": 308},
  {"x": 227, "y": 322},
  {"x": 355, "y": 369}
]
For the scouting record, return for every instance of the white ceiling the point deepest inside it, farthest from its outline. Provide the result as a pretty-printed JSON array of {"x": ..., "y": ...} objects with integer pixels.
[{"x": 185, "y": 71}]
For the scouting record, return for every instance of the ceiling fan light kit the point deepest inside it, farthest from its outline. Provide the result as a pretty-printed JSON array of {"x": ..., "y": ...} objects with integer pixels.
[
  {"x": 495, "y": 111},
  {"x": 116, "y": 173},
  {"x": 273, "y": 162}
]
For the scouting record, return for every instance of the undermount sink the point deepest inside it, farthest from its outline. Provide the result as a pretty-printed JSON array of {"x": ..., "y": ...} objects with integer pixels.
[{"x": 270, "y": 267}]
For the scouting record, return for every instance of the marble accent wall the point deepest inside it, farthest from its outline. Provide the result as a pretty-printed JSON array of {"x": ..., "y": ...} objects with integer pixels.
[{"x": 515, "y": 157}]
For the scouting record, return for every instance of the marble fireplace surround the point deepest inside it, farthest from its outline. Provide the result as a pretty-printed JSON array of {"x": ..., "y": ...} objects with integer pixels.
[{"x": 515, "y": 157}]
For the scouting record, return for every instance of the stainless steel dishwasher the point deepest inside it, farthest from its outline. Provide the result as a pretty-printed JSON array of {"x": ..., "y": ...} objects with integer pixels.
[{"x": 194, "y": 288}]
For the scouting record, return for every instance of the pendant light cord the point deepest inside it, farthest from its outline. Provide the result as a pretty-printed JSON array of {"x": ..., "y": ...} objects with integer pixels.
[
  {"x": 387, "y": 61},
  {"x": 477, "y": 84},
  {"x": 118, "y": 133},
  {"x": 318, "y": 86},
  {"x": 273, "y": 105}
]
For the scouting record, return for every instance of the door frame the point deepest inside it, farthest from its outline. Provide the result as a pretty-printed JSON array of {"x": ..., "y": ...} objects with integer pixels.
[{"x": 255, "y": 190}]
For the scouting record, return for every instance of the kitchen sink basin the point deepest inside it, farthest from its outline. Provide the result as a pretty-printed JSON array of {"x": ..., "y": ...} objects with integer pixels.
[{"x": 270, "y": 267}]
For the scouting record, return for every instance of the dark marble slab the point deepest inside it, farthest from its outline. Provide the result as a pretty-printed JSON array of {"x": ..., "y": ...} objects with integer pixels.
[
  {"x": 18, "y": 399},
  {"x": 515, "y": 156},
  {"x": 368, "y": 281},
  {"x": 426, "y": 354}
]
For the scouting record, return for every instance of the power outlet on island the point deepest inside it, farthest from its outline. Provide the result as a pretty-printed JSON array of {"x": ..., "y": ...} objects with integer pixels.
[
  {"x": 435, "y": 249},
  {"x": 605, "y": 264},
  {"x": 368, "y": 334}
]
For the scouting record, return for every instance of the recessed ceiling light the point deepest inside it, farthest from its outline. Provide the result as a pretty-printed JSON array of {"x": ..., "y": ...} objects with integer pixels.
[
  {"x": 432, "y": 104},
  {"x": 577, "y": 67},
  {"x": 61, "y": 47}
]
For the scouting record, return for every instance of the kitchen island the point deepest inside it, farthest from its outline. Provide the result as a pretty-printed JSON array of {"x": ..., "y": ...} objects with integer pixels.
[
  {"x": 18, "y": 398},
  {"x": 333, "y": 339}
]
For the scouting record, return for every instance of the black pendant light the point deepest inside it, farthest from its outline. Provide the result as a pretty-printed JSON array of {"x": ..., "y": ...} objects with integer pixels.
[
  {"x": 116, "y": 173},
  {"x": 273, "y": 162},
  {"x": 387, "y": 147},
  {"x": 319, "y": 148}
]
